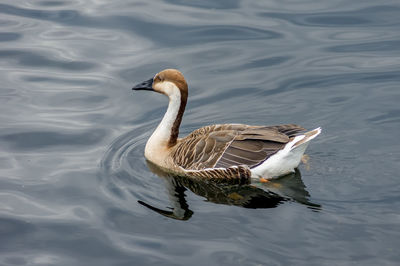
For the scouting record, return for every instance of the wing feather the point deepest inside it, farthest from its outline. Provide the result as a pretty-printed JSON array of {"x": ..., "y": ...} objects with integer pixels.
[{"x": 226, "y": 146}]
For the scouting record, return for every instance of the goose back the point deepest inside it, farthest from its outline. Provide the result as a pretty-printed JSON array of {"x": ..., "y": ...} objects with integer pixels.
[{"x": 230, "y": 145}]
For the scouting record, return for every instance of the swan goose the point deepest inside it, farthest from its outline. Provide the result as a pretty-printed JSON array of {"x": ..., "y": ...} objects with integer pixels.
[{"x": 224, "y": 151}]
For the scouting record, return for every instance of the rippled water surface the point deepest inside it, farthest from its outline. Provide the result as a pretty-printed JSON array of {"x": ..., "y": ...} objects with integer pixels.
[{"x": 76, "y": 190}]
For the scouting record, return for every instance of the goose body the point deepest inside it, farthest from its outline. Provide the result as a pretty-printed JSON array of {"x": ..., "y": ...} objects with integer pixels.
[{"x": 224, "y": 151}]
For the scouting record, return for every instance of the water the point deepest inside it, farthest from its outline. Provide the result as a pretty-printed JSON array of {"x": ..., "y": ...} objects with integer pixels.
[{"x": 76, "y": 190}]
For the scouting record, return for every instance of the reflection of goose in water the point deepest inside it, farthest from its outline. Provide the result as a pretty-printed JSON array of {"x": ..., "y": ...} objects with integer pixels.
[{"x": 247, "y": 195}]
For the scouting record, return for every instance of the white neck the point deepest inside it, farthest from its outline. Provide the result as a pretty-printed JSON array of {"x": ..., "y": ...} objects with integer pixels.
[{"x": 161, "y": 136}]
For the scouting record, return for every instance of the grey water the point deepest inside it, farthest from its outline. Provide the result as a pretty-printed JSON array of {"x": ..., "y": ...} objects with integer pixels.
[{"x": 75, "y": 188}]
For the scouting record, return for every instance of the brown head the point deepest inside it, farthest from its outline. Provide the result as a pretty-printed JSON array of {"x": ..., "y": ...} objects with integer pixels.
[
  {"x": 171, "y": 83},
  {"x": 166, "y": 82}
]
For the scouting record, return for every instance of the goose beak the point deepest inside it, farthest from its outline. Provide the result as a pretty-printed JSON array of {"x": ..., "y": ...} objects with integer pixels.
[{"x": 145, "y": 85}]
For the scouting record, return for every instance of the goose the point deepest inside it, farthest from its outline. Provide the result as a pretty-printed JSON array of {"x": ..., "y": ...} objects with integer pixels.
[{"x": 220, "y": 151}]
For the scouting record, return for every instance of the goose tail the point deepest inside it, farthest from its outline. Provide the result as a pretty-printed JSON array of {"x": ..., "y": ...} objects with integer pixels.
[
  {"x": 287, "y": 159},
  {"x": 307, "y": 137}
]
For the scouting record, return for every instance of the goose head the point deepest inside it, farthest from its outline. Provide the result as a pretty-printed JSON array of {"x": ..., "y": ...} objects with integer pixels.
[{"x": 169, "y": 82}]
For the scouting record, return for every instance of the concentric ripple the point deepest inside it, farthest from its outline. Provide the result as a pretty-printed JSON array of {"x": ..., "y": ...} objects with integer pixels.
[{"x": 124, "y": 173}]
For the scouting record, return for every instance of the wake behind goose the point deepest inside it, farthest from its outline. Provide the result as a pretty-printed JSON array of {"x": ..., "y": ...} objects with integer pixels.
[{"x": 224, "y": 151}]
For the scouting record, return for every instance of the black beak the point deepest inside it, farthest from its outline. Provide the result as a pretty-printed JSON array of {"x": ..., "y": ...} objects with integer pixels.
[{"x": 145, "y": 85}]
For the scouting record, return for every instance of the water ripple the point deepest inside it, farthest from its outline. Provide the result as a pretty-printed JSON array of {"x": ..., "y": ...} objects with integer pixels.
[
  {"x": 375, "y": 16},
  {"x": 35, "y": 59},
  {"x": 330, "y": 80},
  {"x": 46, "y": 139},
  {"x": 387, "y": 46},
  {"x": 122, "y": 171},
  {"x": 9, "y": 36},
  {"x": 207, "y": 4},
  {"x": 160, "y": 33}
]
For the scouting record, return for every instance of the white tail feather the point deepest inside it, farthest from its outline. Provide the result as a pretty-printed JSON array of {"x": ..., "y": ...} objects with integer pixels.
[{"x": 287, "y": 159}]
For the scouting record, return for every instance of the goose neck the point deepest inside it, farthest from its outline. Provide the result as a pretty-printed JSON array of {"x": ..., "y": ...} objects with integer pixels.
[{"x": 166, "y": 133}]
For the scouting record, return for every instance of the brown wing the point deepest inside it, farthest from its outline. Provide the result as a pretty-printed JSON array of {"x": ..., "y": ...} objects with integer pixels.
[
  {"x": 231, "y": 145},
  {"x": 255, "y": 145},
  {"x": 202, "y": 148}
]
